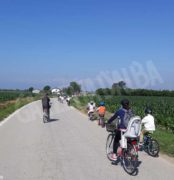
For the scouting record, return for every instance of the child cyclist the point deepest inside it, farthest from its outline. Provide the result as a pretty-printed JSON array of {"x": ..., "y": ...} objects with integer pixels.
[
  {"x": 148, "y": 122},
  {"x": 101, "y": 112}
]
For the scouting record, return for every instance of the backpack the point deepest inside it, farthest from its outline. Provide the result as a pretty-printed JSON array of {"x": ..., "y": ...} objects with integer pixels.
[
  {"x": 127, "y": 116},
  {"x": 133, "y": 128},
  {"x": 102, "y": 110}
]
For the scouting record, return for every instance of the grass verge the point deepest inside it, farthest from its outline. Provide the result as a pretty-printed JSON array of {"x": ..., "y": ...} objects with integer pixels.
[
  {"x": 8, "y": 107},
  {"x": 166, "y": 141}
]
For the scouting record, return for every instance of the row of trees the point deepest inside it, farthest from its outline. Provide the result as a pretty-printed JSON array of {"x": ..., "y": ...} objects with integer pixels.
[
  {"x": 46, "y": 88},
  {"x": 73, "y": 89},
  {"x": 121, "y": 89}
]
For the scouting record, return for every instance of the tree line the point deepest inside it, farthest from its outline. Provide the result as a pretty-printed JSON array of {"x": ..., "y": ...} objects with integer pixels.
[{"x": 120, "y": 89}]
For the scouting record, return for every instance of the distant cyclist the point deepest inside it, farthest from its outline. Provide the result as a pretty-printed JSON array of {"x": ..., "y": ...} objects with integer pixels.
[
  {"x": 123, "y": 116},
  {"x": 46, "y": 104},
  {"x": 148, "y": 122},
  {"x": 68, "y": 100},
  {"x": 91, "y": 107},
  {"x": 101, "y": 112}
]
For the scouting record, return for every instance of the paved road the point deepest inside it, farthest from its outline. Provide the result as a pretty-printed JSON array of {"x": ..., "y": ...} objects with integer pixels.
[{"x": 68, "y": 148}]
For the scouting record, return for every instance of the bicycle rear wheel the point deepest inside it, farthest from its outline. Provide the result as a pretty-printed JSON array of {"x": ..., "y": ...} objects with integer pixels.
[
  {"x": 130, "y": 159},
  {"x": 109, "y": 146},
  {"x": 45, "y": 116},
  {"x": 153, "y": 148},
  {"x": 45, "y": 119},
  {"x": 102, "y": 123}
]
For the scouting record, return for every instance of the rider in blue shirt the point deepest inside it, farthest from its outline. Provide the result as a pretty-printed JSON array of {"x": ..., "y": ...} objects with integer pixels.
[{"x": 122, "y": 115}]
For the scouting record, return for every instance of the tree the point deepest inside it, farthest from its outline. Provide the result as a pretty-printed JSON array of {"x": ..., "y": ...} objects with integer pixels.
[
  {"x": 100, "y": 92},
  {"x": 31, "y": 89},
  {"x": 115, "y": 86},
  {"x": 68, "y": 91},
  {"x": 76, "y": 88},
  {"x": 47, "y": 88},
  {"x": 122, "y": 84}
]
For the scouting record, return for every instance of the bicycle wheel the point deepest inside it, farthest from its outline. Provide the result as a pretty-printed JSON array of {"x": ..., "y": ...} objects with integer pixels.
[
  {"x": 109, "y": 146},
  {"x": 130, "y": 159},
  {"x": 153, "y": 148},
  {"x": 45, "y": 119}
]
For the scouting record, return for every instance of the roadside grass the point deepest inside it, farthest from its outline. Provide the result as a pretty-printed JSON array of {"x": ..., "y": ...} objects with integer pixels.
[
  {"x": 9, "y": 107},
  {"x": 165, "y": 138},
  {"x": 166, "y": 141}
]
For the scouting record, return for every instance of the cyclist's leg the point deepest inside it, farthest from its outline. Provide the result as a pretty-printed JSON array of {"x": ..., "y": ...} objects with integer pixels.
[
  {"x": 88, "y": 113},
  {"x": 116, "y": 141},
  {"x": 142, "y": 135},
  {"x": 98, "y": 119},
  {"x": 48, "y": 113}
]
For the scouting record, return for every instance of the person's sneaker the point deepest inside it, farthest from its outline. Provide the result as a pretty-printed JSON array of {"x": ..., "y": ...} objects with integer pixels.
[{"x": 114, "y": 157}]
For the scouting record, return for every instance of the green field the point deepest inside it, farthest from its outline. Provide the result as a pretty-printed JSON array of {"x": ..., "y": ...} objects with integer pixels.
[
  {"x": 13, "y": 100},
  {"x": 12, "y": 95},
  {"x": 163, "y": 107}
]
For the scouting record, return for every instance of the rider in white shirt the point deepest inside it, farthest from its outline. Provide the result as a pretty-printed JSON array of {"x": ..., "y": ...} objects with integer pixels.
[
  {"x": 68, "y": 100},
  {"x": 91, "y": 107},
  {"x": 148, "y": 122}
]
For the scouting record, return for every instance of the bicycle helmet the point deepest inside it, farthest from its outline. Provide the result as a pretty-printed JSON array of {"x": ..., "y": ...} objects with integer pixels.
[
  {"x": 91, "y": 102},
  {"x": 148, "y": 110},
  {"x": 125, "y": 103},
  {"x": 102, "y": 104}
]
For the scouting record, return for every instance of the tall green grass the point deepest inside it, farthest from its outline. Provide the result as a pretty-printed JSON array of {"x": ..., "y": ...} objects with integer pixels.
[{"x": 10, "y": 107}]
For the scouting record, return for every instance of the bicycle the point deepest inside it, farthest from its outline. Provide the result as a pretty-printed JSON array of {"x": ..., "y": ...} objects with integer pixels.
[
  {"x": 127, "y": 152},
  {"x": 150, "y": 145},
  {"x": 91, "y": 116},
  {"x": 46, "y": 113},
  {"x": 101, "y": 121}
]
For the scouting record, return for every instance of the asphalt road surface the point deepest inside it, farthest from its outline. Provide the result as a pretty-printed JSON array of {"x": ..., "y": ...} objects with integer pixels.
[{"x": 70, "y": 147}]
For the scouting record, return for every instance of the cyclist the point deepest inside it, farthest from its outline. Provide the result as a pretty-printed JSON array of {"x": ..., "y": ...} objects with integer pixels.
[
  {"x": 101, "y": 112},
  {"x": 68, "y": 100},
  {"x": 148, "y": 122},
  {"x": 46, "y": 104},
  {"x": 91, "y": 107},
  {"x": 122, "y": 116}
]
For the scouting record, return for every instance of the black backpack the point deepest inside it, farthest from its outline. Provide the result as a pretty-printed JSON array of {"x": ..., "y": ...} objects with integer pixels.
[{"x": 127, "y": 116}]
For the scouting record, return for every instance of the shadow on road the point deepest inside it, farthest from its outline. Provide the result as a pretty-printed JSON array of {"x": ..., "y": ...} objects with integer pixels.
[
  {"x": 135, "y": 173},
  {"x": 52, "y": 120}
]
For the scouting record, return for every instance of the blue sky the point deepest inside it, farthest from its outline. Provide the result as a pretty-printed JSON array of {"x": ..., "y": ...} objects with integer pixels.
[{"x": 57, "y": 41}]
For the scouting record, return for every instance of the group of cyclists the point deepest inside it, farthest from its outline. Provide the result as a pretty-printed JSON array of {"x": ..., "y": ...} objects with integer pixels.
[
  {"x": 122, "y": 116},
  {"x": 61, "y": 99}
]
